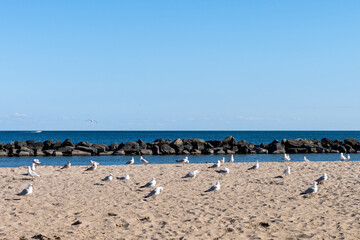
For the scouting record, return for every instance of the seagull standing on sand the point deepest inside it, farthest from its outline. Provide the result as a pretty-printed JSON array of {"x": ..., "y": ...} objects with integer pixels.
[
  {"x": 36, "y": 161},
  {"x": 311, "y": 190},
  {"x": 287, "y": 157},
  {"x": 33, "y": 167},
  {"x": 184, "y": 160},
  {"x": 214, "y": 188},
  {"x": 152, "y": 183},
  {"x": 306, "y": 160},
  {"x": 216, "y": 165},
  {"x": 322, "y": 179},
  {"x": 127, "y": 177},
  {"x": 93, "y": 167},
  {"x": 155, "y": 192},
  {"x": 222, "y": 160},
  {"x": 131, "y": 162},
  {"x": 143, "y": 160},
  {"x": 68, "y": 165},
  {"x": 26, "y": 191},
  {"x": 231, "y": 160},
  {"x": 191, "y": 174},
  {"x": 287, "y": 171},
  {"x": 224, "y": 171},
  {"x": 256, "y": 166},
  {"x": 108, "y": 178},
  {"x": 94, "y": 163},
  {"x": 32, "y": 173}
]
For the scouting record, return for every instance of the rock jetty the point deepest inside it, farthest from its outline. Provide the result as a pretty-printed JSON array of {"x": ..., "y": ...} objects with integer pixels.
[{"x": 194, "y": 146}]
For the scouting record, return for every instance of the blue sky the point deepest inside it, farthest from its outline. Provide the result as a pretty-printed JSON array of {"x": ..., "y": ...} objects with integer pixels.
[{"x": 180, "y": 65}]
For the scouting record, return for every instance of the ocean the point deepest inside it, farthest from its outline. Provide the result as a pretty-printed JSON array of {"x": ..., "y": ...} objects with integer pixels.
[{"x": 109, "y": 137}]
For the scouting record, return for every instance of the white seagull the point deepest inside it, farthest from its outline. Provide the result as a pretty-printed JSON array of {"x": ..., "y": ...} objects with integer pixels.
[
  {"x": 231, "y": 160},
  {"x": 26, "y": 191},
  {"x": 191, "y": 174},
  {"x": 155, "y": 192},
  {"x": 287, "y": 171},
  {"x": 306, "y": 160},
  {"x": 143, "y": 160},
  {"x": 224, "y": 171},
  {"x": 287, "y": 157},
  {"x": 32, "y": 173},
  {"x": 152, "y": 183},
  {"x": 214, "y": 188},
  {"x": 311, "y": 190},
  {"x": 322, "y": 179},
  {"x": 36, "y": 161},
  {"x": 94, "y": 163},
  {"x": 130, "y": 162},
  {"x": 184, "y": 160},
  {"x": 93, "y": 167},
  {"x": 33, "y": 167},
  {"x": 216, "y": 165},
  {"x": 67, "y": 165},
  {"x": 222, "y": 160},
  {"x": 108, "y": 178},
  {"x": 127, "y": 177},
  {"x": 256, "y": 166}
]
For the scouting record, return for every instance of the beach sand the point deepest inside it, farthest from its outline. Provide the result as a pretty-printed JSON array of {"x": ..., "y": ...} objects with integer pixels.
[{"x": 249, "y": 205}]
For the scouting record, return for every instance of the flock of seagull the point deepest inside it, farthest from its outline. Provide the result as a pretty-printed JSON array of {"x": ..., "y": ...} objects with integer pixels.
[{"x": 152, "y": 183}]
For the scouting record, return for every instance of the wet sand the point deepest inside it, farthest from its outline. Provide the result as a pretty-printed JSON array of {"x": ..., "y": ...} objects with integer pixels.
[{"x": 249, "y": 205}]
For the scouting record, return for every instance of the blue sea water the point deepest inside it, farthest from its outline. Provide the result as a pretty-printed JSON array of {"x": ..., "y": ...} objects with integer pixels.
[{"x": 109, "y": 137}]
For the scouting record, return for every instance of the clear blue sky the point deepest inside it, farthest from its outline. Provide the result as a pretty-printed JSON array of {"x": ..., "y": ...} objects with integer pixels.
[{"x": 180, "y": 65}]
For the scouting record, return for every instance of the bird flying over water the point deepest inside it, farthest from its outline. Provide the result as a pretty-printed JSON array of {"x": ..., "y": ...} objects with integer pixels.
[
  {"x": 26, "y": 191},
  {"x": 256, "y": 166},
  {"x": 152, "y": 183},
  {"x": 155, "y": 192}
]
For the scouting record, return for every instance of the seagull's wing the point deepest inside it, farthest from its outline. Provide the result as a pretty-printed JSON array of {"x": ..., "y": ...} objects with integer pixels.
[
  {"x": 24, "y": 192},
  {"x": 309, "y": 190},
  {"x": 151, "y": 193},
  {"x": 322, "y": 178},
  {"x": 212, "y": 188}
]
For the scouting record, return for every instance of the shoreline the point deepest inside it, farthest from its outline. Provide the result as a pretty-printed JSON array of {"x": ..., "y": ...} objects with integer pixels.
[
  {"x": 194, "y": 146},
  {"x": 249, "y": 205}
]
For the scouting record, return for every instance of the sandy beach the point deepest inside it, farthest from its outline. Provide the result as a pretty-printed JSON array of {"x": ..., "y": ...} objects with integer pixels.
[{"x": 249, "y": 205}]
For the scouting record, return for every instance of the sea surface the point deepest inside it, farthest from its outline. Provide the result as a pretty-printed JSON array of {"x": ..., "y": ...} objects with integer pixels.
[{"x": 109, "y": 137}]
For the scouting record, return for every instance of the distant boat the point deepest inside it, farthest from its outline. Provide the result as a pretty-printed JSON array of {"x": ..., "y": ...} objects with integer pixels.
[{"x": 38, "y": 131}]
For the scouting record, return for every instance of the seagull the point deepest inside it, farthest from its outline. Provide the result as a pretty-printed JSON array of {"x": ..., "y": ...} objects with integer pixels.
[
  {"x": 26, "y": 191},
  {"x": 343, "y": 158},
  {"x": 130, "y": 162},
  {"x": 127, "y": 177},
  {"x": 93, "y": 167},
  {"x": 224, "y": 170},
  {"x": 231, "y": 160},
  {"x": 348, "y": 157},
  {"x": 37, "y": 161},
  {"x": 152, "y": 183},
  {"x": 216, "y": 165},
  {"x": 222, "y": 160},
  {"x": 191, "y": 174},
  {"x": 256, "y": 166},
  {"x": 68, "y": 165},
  {"x": 287, "y": 157},
  {"x": 143, "y": 160},
  {"x": 184, "y": 160},
  {"x": 32, "y": 173},
  {"x": 214, "y": 188},
  {"x": 306, "y": 160},
  {"x": 94, "y": 163},
  {"x": 108, "y": 178},
  {"x": 155, "y": 192},
  {"x": 92, "y": 121},
  {"x": 311, "y": 190},
  {"x": 287, "y": 171},
  {"x": 322, "y": 179},
  {"x": 33, "y": 167}
]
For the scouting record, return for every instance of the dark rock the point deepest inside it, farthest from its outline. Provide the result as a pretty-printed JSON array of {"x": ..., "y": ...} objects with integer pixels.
[
  {"x": 10, "y": 145},
  {"x": 91, "y": 150},
  {"x": 312, "y": 150},
  {"x": 216, "y": 143},
  {"x": 146, "y": 152},
  {"x": 261, "y": 150},
  {"x": 2, "y": 146},
  {"x": 351, "y": 141},
  {"x": 48, "y": 144},
  {"x": 159, "y": 140},
  {"x": 67, "y": 142},
  {"x": 100, "y": 147},
  {"x": 292, "y": 150},
  {"x": 302, "y": 150},
  {"x": 208, "y": 151},
  {"x": 113, "y": 146},
  {"x": 37, "y": 145},
  {"x": 264, "y": 145},
  {"x": 48, "y": 152},
  {"x": 119, "y": 152},
  {"x": 276, "y": 147},
  {"x": 334, "y": 151},
  {"x": 142, "y": 144},
  {"x": 282, "y": 151},
  {"x": 3, "y": 153},
  {"x": 185, "y": 152},
  {"x": 19, "y": 144},
  {"x": 108, "y": 153},
  {"x": 67, "y": 150},
  {"x": 24, "y": 154},
  {"x": 188, "y": 147},
  {"x": 220, "y": 151},
  {"x": 231, "y": 151},
  {"x": 195, "y": 152},
  {"x": 327, "y": 143},
  {"x": 39, "y": 153},
  {"x": 130, "y": 147},
  {"x": 57, "y": 154},
  {"x": 58, "y": 144},
  {"x": 30, "y": 142},
  {"x": 84, "y": 144},
  {"x": 230, "y": 140},
  {"x": 156, "y": 150},
  {"x": 178, "y": 145},
  {"x": 166, "y": 149},
  {"x": 77, "y": 152},
  {"x": 294, "y": 143},
  {"x": 323, "y": 150}
]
